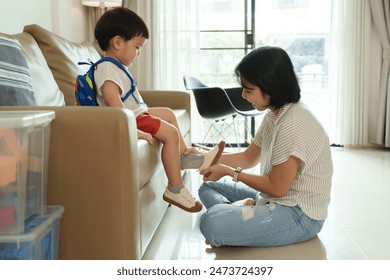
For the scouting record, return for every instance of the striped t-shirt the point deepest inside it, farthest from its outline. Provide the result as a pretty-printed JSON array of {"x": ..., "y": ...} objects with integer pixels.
[{"x": 294, "y": 131}]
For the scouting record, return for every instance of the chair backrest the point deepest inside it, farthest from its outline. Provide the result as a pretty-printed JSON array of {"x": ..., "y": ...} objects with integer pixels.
[
  {"x": 213, "y": 103},
  {"x": 235, "y": 96},
  {"x": 191, "y": 82},
  {"x": 216, "y": 102}
]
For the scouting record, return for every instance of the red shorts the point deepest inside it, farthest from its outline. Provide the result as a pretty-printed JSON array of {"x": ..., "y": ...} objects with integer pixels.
[{"x": 148, "y": 123}]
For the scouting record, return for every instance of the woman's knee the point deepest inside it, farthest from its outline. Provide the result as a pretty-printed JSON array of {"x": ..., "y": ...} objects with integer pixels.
[
  {"x": 209, "y": 227},
  {"x": 203, "y": 187},
  {"x": 315, "y": 228},
  {"x": 207, "y": 188}
]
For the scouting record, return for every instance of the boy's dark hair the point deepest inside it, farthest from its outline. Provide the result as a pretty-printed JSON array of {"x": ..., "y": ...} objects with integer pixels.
[
  {"x": 119, "y": 22},
  {"x": 271, "y": 69}
]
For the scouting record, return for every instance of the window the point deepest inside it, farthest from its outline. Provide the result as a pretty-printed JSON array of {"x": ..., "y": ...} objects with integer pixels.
[
  {"x": 208, "y": 38},
  {"x": 288, "y": 4},
  {"x": 301, "y": 27},
  {"x": 225, "y": 37}
]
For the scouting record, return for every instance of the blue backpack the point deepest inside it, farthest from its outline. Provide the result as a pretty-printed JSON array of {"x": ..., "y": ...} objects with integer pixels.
[{"x": 85, "y": 91}]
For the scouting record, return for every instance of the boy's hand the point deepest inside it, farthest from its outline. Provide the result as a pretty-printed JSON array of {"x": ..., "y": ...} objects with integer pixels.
[{"x": 146, "y": 136}]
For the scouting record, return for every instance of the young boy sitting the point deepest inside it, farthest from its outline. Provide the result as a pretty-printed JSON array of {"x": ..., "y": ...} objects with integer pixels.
[{"x": 121, "y": 34}]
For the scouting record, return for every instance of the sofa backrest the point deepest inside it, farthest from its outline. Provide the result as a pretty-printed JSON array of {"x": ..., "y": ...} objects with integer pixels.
[
  {"x": 46, "y": 91},
  {"x": 62, "y": 57}
]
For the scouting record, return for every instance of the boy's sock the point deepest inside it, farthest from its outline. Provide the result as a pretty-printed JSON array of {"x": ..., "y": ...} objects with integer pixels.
[
  {"x": 191, "y": 161},
  {"x": 175, "y": 189}
]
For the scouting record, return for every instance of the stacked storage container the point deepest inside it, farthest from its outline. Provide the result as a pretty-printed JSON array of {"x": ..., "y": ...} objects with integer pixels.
[{"x": 29, "y": 229}]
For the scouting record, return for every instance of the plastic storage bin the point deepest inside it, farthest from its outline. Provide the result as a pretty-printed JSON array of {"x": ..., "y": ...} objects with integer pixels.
[
  {"x": 24, "y": 151},
  {"x": 40, "y": 239}
]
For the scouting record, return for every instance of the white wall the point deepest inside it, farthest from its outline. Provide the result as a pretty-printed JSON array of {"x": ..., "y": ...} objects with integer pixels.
[{"x": 67, "y": 18}]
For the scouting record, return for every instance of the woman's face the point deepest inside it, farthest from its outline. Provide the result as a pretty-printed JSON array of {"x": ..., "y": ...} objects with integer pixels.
[{"x": 254, "y": 95}]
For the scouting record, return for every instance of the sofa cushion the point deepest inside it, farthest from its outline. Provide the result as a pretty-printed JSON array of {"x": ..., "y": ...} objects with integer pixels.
[
  {"x": 62, "y": 57},
  {"x": 15, "y": 81},
  {"x": 46, "y": 91}
]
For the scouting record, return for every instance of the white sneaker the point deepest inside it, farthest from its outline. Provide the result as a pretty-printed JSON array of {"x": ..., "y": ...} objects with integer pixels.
[
  {"x": 183, "y": 200},
  {"x": 212, "y": 156}
]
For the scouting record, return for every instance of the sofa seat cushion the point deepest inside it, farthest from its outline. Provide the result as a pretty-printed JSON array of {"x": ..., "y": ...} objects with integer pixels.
[
  {"x": 46, "y": 91},
  {"x": 149, "y": 160},
  {"x": 15, "y": 81},
  {"x": 62, "y": 57}
]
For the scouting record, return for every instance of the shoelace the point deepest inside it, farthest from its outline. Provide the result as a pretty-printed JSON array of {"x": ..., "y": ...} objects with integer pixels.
[{"x": 188, "y": 196}]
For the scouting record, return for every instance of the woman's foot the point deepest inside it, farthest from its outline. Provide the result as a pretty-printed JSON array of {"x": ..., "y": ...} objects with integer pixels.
[
  {"x": 245, "y": 202},
  {"x": 209, "y": 243},
  {"x": 183, "y": 200}
]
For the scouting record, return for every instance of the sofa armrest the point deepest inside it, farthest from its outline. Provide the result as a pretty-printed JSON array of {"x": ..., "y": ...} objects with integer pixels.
[
  {"x": 167, "y": 98},
  {"x": 93, "y": 174}
]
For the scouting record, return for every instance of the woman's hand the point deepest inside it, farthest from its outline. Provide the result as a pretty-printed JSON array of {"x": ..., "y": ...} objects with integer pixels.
[
  {"x": 191, "y": 150},
  {"x": 216, "y": 172}
]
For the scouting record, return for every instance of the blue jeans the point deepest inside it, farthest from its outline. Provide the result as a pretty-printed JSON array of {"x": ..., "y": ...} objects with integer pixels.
[{"x": 271, "y": 224}]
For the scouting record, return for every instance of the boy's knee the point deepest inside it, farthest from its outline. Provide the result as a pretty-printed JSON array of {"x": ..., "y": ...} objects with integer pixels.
[
  {"x": 171, "y": 117},
  {"x": 170, "y": 111},
  {"x": 172, "y": 132}
]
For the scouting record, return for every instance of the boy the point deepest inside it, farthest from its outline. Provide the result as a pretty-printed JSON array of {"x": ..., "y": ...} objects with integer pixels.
[{"x": 121, "y": 34}]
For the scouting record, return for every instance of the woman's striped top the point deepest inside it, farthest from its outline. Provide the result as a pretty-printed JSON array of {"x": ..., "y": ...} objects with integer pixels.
[{"x": 295, "y": 131}]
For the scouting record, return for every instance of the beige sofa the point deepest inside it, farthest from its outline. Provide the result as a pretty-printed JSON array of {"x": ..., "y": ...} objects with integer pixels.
[{"x": 109, "y": 182}]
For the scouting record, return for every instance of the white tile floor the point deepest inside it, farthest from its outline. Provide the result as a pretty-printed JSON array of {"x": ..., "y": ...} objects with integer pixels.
[{"x": 358, "y": 227}]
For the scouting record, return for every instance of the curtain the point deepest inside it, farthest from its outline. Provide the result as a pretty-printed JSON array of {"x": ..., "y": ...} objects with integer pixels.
[
  {"x": 176, "y": 36},
  {"x": 93, "y": 16},
  {"x": 381, "y": 17},
  {"x": 143, "y": 70},
  {"x": 172, "y": 48},
  {"x": 354, "y": 67}
]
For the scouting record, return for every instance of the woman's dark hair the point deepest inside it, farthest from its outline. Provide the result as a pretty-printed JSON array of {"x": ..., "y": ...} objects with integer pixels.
[
  {"x": 119, "y": 22},
  {"x": 271, "y": 69}
]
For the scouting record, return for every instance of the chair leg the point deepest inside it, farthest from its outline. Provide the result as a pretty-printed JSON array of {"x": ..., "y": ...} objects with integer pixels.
[
  {"x": 237, "y": 131},
  {"x": 237, "y": 127},
  {"x": 253, "y": 121}
]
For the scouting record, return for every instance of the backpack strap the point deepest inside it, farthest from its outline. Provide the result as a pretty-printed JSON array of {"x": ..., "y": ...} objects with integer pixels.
[{"x": 120, "y": 65}]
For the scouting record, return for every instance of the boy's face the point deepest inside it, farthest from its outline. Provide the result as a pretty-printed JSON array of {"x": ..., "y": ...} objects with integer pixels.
[{"x": 129, "y": 51}]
